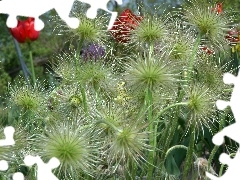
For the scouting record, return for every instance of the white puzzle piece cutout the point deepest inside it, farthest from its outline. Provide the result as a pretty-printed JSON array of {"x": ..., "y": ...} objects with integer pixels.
[
  {"x": 231, "y": 131},
  {"x": 36, "y": 8},
  {"x": 44, "y": 170},
  {"x": 9, "y": 141}
]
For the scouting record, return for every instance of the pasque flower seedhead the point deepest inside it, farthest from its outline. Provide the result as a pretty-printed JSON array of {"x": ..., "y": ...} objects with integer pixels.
[
  {"x": 201, "y": 105},
  {"x": 127, "y": 144},
  {"x": 154, "y": 72},
  {"x": 180, "y": 42},
  {"x": 209, "y": 73},
  {"x": 71, "y": 144},
  {"x": 89, "y": 30},
  {"x": 28, "y": 97},
  {"x": 64, "y": 66},
  {"x": 124, "y": 136},
  {"x": 68, "y": 98},
  {"x": 150, "y": 30},
  {"x": 210, "y": 25},
  {"x": 94, "y": 74}
]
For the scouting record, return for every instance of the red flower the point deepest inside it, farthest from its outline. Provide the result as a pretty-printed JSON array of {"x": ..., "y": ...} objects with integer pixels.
[
  {"x": 126, "y": 22},
  {"x": 218, "y": 8},
  {"x": 25, "y": 31}
]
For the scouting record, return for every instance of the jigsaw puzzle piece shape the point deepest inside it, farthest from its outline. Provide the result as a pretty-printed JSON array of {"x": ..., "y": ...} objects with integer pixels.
[
  {"x": 3, "y": 165},
  {"x": 230, "y": 131},
  {"x": 8, "y": 141},
  {"x": 27, "y": 8},
  {"x": 92, "y": 11},
  {"x": 235, "y": 98},
  {"x": 233, "y": 167},
  {"x": 44, "y": 169},
  {"x": 63, "y": 8},
  {"x": 18, "y": 176},
  {"x": 36, "y": 8}
]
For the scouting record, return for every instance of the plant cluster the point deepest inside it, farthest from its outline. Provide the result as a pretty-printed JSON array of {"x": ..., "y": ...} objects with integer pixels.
[{"x": 133, "y": 102}]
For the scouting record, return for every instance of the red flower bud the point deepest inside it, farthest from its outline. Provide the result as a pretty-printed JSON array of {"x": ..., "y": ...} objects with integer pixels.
[
  {"x": 123, "y": 25},
  {"x": 25, "y": 31}
]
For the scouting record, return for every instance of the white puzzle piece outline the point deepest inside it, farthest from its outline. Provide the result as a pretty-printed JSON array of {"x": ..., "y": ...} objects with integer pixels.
[
  {"x": 44, "y": 170},
  {"x": 9, "y": 141},
  {"x": 229, "y": 131},
  {"x": 36, "y": 8}
]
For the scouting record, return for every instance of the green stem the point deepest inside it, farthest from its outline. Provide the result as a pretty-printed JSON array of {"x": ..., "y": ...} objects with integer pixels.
[
  {"x": 188, "y": 162},
  {"x": 149, "y": 102},
  {"x": 191, "y": 63},
  {"x": 152, "y": 130},
  {"x": 170, "y": 131},
  {"x": 84, "y": 99},
  {"x": 150, "y": 51},
  {"x": 109, "y": 124},
  {"x": 213, "y": 152},
  {"x": 79, "y": 47},
  {"x": 32, "y": 65},
  {"x": 171, "y": 106},
  {"x": 133, "y": 169}
]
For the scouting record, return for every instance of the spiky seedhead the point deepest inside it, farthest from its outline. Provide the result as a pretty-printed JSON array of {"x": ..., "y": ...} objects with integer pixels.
[
  {"x": 64, "y": 65},
  {"x": 92, "y": 30},
  {"x": 75, "y": 100},
  {"x": 211, "y": 26},
  {"x": 89, "y": 30},
  {"x": 68, "y": 98},
  {"x": 94, "y": 74},
  {"x": 28, "y": 97},
  {"x": 181, "y": 42},
  {"x": 152, "y": 73},
  {"x": 149, "y": 30},
  {"x": 125, "y": 136},
  {"x": 127, "y": 144},
  {"x": 201, "y": 105},
  {"x": 109, "y": 116},
  {"x": 210, "y": 74},
  {"x": 71, "y": 144}
]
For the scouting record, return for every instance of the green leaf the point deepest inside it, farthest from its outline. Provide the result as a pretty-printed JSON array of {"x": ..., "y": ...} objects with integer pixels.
[{"x": 171, "y": 166}]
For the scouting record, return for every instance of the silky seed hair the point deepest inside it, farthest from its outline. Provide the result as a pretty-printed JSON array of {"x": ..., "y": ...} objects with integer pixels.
[{"x": 209, "y": 25}]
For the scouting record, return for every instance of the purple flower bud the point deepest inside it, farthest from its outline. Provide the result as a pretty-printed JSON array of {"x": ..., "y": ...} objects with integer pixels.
[{"x": 93, "y": 52}]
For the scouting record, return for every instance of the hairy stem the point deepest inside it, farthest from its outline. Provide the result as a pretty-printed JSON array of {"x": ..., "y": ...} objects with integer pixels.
[
  {"x": 190, "y": 152},
  {"x": 32, "y": 65},
  {"x": 191, "y": 63},
  {"x": 168, "y": 135},
  {"x": 149, "y": 102}
]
